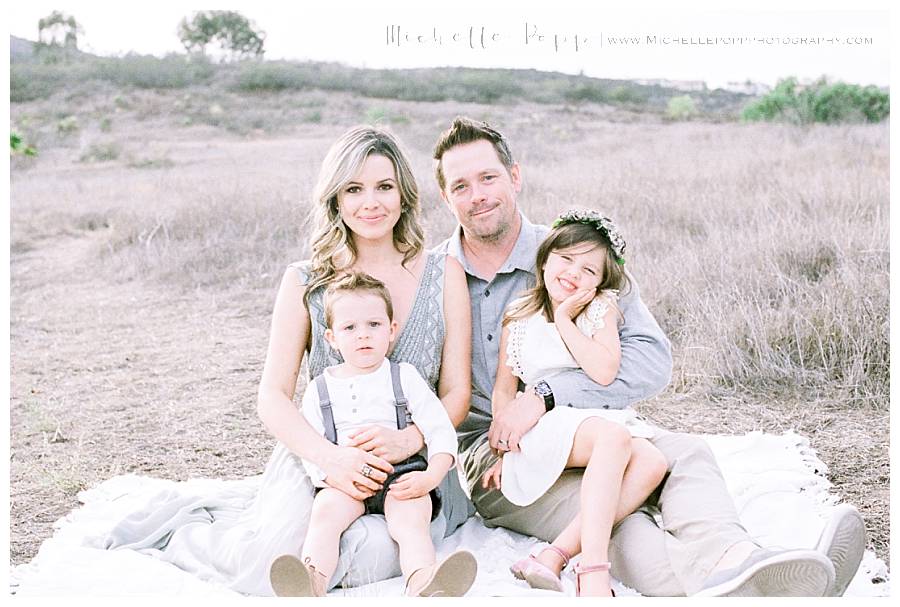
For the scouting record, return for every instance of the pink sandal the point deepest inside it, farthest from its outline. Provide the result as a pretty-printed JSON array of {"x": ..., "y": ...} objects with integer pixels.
[
  {"x": 538, "y": 575},
  {"x": 581, "y": 570}
]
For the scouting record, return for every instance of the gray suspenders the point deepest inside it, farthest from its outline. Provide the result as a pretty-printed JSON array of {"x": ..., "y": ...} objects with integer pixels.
[{"x": 400, "y": 403}]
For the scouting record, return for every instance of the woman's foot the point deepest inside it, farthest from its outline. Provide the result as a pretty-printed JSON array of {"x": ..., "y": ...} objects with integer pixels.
[
  {"x": 593, "y": 580},
  {"x": 290, "y": 576},
  {"x": 452, "y": 576}
]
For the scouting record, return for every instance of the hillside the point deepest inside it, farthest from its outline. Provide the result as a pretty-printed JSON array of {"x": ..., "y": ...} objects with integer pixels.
[{"x": 31, "y": 79}]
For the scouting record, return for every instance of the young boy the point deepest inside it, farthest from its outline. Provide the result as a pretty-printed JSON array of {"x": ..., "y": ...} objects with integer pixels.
[{"x": 369, "y": 389}]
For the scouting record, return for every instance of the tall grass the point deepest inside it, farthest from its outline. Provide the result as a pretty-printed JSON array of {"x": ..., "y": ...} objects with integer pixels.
[
  {"x": 233, "y": 240},
  {"x": 762, "y": 249}
]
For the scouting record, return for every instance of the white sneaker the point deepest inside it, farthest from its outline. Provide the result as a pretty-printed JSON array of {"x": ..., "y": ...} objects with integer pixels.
[
  {"x": 774, "y": 573},
  {"x": 843, "y": 541}
]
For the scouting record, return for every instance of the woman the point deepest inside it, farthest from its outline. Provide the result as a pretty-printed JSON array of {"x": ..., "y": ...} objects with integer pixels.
[{"x": 367, "y": 218}]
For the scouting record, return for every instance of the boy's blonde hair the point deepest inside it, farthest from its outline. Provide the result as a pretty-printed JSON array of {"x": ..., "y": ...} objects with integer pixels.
[{"x": 355, "y": 282}]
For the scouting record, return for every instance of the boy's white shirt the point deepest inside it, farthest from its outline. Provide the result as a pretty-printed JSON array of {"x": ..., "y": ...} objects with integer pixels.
[{"x": 374, "y": 405}]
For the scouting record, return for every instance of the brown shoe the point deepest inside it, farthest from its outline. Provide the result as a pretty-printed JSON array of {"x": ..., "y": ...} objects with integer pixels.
[
  {"x": 290, "y": 576},
  {"x": 453, "y": 576}
]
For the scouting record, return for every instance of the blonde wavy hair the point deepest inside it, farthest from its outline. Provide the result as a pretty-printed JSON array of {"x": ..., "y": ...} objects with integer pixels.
[{"x": 333, "y": 250}]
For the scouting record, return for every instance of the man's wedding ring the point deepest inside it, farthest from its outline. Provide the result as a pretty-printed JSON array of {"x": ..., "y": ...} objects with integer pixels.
[{"x": 366, "y": 470}]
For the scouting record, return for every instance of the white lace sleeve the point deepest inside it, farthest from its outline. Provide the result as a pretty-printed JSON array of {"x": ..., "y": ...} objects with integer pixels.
[
  {"x": 593, "y": 318},
  {"x": 514, "y": 347}
]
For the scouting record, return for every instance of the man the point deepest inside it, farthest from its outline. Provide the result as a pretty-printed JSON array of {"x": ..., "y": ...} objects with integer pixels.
[{"x": 701, "y": 547}]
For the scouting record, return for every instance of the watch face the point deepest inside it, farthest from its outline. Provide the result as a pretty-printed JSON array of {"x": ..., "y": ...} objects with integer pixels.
[{"x": 543, "y": 389}]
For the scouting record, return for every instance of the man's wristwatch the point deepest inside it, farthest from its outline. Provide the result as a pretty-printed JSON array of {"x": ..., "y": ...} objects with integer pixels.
[{"x": 543, "y": 390}]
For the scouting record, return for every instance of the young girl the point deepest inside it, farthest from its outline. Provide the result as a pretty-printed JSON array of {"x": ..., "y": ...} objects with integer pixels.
[{"x": 570, "y": 320}]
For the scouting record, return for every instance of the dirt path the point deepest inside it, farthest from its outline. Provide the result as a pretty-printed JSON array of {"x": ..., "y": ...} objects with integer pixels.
[{"x": 164, "y": 382}]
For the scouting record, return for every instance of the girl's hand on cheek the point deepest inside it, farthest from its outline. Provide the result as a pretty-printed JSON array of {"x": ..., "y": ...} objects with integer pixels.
[{"x": 574, "y": 303}]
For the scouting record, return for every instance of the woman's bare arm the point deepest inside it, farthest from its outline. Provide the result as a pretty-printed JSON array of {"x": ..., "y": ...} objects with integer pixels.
[{"x": 455, "y": 382}]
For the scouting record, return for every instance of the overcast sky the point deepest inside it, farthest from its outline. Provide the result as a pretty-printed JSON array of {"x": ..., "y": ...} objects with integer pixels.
[{"x": 844, "y": 40}]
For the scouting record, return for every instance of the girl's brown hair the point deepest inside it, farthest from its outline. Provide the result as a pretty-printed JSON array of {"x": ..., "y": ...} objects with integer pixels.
[{"x": 565, "y": 237}]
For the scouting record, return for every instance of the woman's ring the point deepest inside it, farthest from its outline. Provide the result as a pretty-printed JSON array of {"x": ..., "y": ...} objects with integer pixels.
[
  {"x": 366, "y": 470},
  {"x": 502, "y": 442}
]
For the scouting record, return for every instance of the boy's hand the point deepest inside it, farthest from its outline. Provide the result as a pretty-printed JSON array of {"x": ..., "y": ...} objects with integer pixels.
[
  {"x": 412, "y": 485},
  {"x": 491, "y": 478},
  {"x": 391, "y": 445}
]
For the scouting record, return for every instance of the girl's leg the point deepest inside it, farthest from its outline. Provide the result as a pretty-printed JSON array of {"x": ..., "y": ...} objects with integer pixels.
[
  {"x": 644, "y": 473},
  {"x": 408, "y": 522},
  {"x": 332, "y": 512},
  {"x": 607, "y": 448},
  {"x": 603, "y": 449},
  {"x": 645, "y": 470}
]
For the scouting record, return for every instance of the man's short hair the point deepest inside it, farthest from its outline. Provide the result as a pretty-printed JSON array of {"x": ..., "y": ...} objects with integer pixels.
[
  {"x": 355, "y": 282},
  {"x": 465, "y": 130}
]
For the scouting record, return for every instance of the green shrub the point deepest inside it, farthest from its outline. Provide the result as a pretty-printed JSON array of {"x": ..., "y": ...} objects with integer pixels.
[
  {"x": 271, "y": 76},
  {"x": 17, "y": 145},
  {"x": 625, "y": 94},
  {"x": 148, "y": 72},
  {"x": 30, "y": 81},
  {"x": 586, "y": 92},
  {"x": 100, "y": 152},
  {"x": 820, "y": 102},
  {"x": 67, "y": 125},
  {"x": 681, "y": 107}
]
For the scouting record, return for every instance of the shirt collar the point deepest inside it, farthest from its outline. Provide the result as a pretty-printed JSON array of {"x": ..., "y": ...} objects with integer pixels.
[{"x": 520, "y": 258}]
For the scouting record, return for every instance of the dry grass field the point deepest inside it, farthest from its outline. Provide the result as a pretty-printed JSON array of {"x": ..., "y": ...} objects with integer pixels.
[{"x": 149, "y": 235}]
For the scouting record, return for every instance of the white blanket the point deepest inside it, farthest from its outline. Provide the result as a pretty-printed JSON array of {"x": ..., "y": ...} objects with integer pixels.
[{"x": 766, "y": 474}]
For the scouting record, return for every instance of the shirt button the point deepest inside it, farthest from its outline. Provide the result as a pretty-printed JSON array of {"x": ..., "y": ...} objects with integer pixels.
[
  {"x": 490, "y": 337},
  {"x": 353, "y": 396},
  {"x": 487, "y": 292},
  {"x": 354, "y": 410}
]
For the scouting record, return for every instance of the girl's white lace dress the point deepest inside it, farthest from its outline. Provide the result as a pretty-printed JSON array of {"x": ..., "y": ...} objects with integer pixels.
[{"x": 535, "y": 351}]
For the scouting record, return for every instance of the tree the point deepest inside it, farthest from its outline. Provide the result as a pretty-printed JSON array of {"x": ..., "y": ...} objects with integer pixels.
[
  {"x": 58, "y": 36},
  {"x": 235, "y": 35}
]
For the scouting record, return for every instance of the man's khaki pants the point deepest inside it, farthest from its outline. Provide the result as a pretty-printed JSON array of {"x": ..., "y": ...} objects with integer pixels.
[{"x": 698, "y": 517}]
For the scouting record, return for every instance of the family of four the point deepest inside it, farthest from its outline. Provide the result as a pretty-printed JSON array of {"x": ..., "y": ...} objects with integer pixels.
[{"x": 494, "y": 373}]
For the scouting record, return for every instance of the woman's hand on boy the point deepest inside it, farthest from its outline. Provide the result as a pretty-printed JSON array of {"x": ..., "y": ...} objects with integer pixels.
[{"x": 355, "y": 472}]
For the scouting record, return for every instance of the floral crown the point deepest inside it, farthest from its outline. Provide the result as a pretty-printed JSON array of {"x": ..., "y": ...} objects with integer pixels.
[{"x": 602, "y": 223}]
